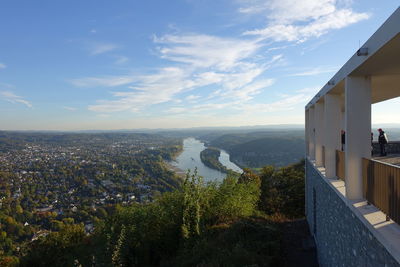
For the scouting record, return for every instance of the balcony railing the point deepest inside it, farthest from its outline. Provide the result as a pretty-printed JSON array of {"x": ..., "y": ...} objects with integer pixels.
[
  {"x": 340, "y": 171},
  {"x": 381, "y": 187}
]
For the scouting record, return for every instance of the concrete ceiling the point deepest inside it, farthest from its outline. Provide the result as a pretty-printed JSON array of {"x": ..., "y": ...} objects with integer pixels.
[{"x": 384, "y": 69}]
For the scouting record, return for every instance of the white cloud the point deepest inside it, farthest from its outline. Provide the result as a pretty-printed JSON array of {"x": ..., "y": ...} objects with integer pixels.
[
  {"x": 101, "y": 48},
  {"x": 298, "y": 21},
  {"x": 175, "y": 110},
  {"x": 2, "y": 65},
  {"x": 106, "y": 81},
  {"x": 196, "y": 61},
  {"x": 104, "y": 116},
  {"x": 249, "y": 91},
  {"x": 286, "y": 103},
  {"x": 121, "y": 60},
  {"x": 69, "y": 108},
  {"x": 13, "y": 98},
  {"x": 148, "y": 90},
  {"x": 315, "y": 71},
  {"x": 206, "y": 51},
  {"x": 288, "y": 11},
  {"x": 228, "y": 69},
  {"x": 192, "y": 97}
]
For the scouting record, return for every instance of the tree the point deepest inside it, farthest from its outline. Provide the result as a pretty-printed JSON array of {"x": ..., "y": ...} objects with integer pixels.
[{"x": 191, "y": 205}]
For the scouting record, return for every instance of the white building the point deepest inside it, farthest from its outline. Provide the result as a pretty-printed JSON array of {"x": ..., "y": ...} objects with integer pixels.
[{"x": 355, "y": 219}]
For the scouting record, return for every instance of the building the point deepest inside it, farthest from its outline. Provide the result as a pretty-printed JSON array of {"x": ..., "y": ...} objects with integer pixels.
[{"x": 353, "y": 201}]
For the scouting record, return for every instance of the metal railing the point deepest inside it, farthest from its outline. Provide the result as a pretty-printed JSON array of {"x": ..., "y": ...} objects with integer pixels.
[
  {"x": 340, "y": 171},
  {"x": 381, "y": 187}
]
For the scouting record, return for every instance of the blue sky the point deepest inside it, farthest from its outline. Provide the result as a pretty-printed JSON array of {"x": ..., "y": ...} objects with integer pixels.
[{"x": 96, "y": 64}]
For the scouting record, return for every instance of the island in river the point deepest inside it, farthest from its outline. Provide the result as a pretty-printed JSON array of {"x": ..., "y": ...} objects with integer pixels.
[
  {"x": 190, "y": 159},
  {"x": 210, "y": 156}
]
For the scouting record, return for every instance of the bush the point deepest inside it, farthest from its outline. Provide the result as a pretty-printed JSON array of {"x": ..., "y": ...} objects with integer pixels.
[{"x": 282, "y": 190}]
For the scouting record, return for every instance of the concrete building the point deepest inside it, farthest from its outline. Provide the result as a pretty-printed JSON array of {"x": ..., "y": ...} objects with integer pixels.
[{"x": 352, "y": 201}]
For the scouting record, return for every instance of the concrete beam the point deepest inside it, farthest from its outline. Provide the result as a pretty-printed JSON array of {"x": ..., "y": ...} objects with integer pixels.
[{"x": 358, "y": 131}]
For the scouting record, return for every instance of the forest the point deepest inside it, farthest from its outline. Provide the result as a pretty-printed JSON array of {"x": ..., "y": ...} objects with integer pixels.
[{"x": 260, "y": 148}]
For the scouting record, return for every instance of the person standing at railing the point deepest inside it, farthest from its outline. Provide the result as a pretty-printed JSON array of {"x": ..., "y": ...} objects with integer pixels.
[{"x": 383, "y": 140}]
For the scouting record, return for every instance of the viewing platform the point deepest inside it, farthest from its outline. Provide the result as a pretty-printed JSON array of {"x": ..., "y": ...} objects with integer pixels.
[{"x": 352, "y": 196}]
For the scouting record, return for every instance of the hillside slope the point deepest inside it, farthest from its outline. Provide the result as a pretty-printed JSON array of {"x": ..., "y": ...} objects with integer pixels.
[{"x": 256, "y": 149}]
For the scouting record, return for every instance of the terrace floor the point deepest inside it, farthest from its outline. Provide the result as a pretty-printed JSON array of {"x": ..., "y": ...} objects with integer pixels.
[{"x": 393, "y": 159}]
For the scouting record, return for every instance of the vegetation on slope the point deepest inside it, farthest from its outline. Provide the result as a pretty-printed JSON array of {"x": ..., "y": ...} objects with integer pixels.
[
  {"x": 234, "y": 223},
  {"x": 210, "y": 158},
  {"x": 257, "y": 149}
]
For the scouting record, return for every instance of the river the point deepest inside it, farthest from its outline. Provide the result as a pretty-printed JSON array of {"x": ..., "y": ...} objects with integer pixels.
[{"x": 190, "y": 159}]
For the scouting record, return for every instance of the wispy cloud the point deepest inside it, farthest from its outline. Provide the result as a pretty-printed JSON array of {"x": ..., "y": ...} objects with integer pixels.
[
  {"x": 298, "y": 21},
  {"x": 2, "y": 66},
  {"x": 284, "y": 103},
  {"x": 13, "y": 98},
  {"x": 70, "y": 108},
  {"x": 315, "y": 71},
  {"x": 231, "y": 70},
  {"x": 120, "y": 60},
  {"x": 196, "y": 61},
  {"x": 101, "y": 48},
  {"x": 106, "y": 81},
  {"x": 205, "y": 50},
  {"x": 192, "y": 97}
]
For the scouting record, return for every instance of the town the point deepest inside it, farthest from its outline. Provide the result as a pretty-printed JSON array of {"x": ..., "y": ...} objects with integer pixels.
[{"x": 49, "y": 180}]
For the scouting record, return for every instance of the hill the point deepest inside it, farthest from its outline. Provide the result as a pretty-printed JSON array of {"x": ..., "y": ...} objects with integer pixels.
[{"x": 256, "y": 149}]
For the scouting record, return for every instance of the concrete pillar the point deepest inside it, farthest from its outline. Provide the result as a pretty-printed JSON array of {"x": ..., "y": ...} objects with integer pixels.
[
  {"x": 319, "y": 133},
  {"x": 312, "y": 133},
  {"x": 343, "y": 120},
  {"x": 307, "y": 132},
  {"x": 333, "y": 126},
  {"x": 358, "y": 131}
]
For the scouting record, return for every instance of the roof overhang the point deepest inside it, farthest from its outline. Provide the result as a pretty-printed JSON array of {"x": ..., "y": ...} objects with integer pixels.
[{"x": 382, "y": 64}]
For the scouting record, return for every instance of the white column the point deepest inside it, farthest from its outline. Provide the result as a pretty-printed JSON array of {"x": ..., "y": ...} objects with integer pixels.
[
  {"x": 307, "y": 131},
  {"x": 333, "y": 126},
  {"x": 319, "y": 133},
  {"x": 311, "y": 133},
  {"x": 343, "y": 120},
  {"x": 358, "y": 131}
]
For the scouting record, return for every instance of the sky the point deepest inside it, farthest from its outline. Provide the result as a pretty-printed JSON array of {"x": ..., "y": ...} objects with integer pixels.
[{"x": 97, "y": 64}]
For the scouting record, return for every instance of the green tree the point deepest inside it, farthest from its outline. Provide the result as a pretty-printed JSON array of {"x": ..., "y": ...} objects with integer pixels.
[{"x": 191, "y": 205}]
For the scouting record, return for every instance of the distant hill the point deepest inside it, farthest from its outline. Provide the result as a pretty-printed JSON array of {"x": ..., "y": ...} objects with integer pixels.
[
  {"x": 268, "y": 151},
  {"x": 256, "y": 149}
]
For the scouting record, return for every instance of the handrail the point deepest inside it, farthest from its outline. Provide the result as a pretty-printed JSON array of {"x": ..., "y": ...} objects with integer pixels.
[{"x": 381, "y": 187}]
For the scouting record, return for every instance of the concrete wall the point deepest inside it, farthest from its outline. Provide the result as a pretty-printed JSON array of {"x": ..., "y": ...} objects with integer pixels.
[{"x": 342, "y": 238}]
